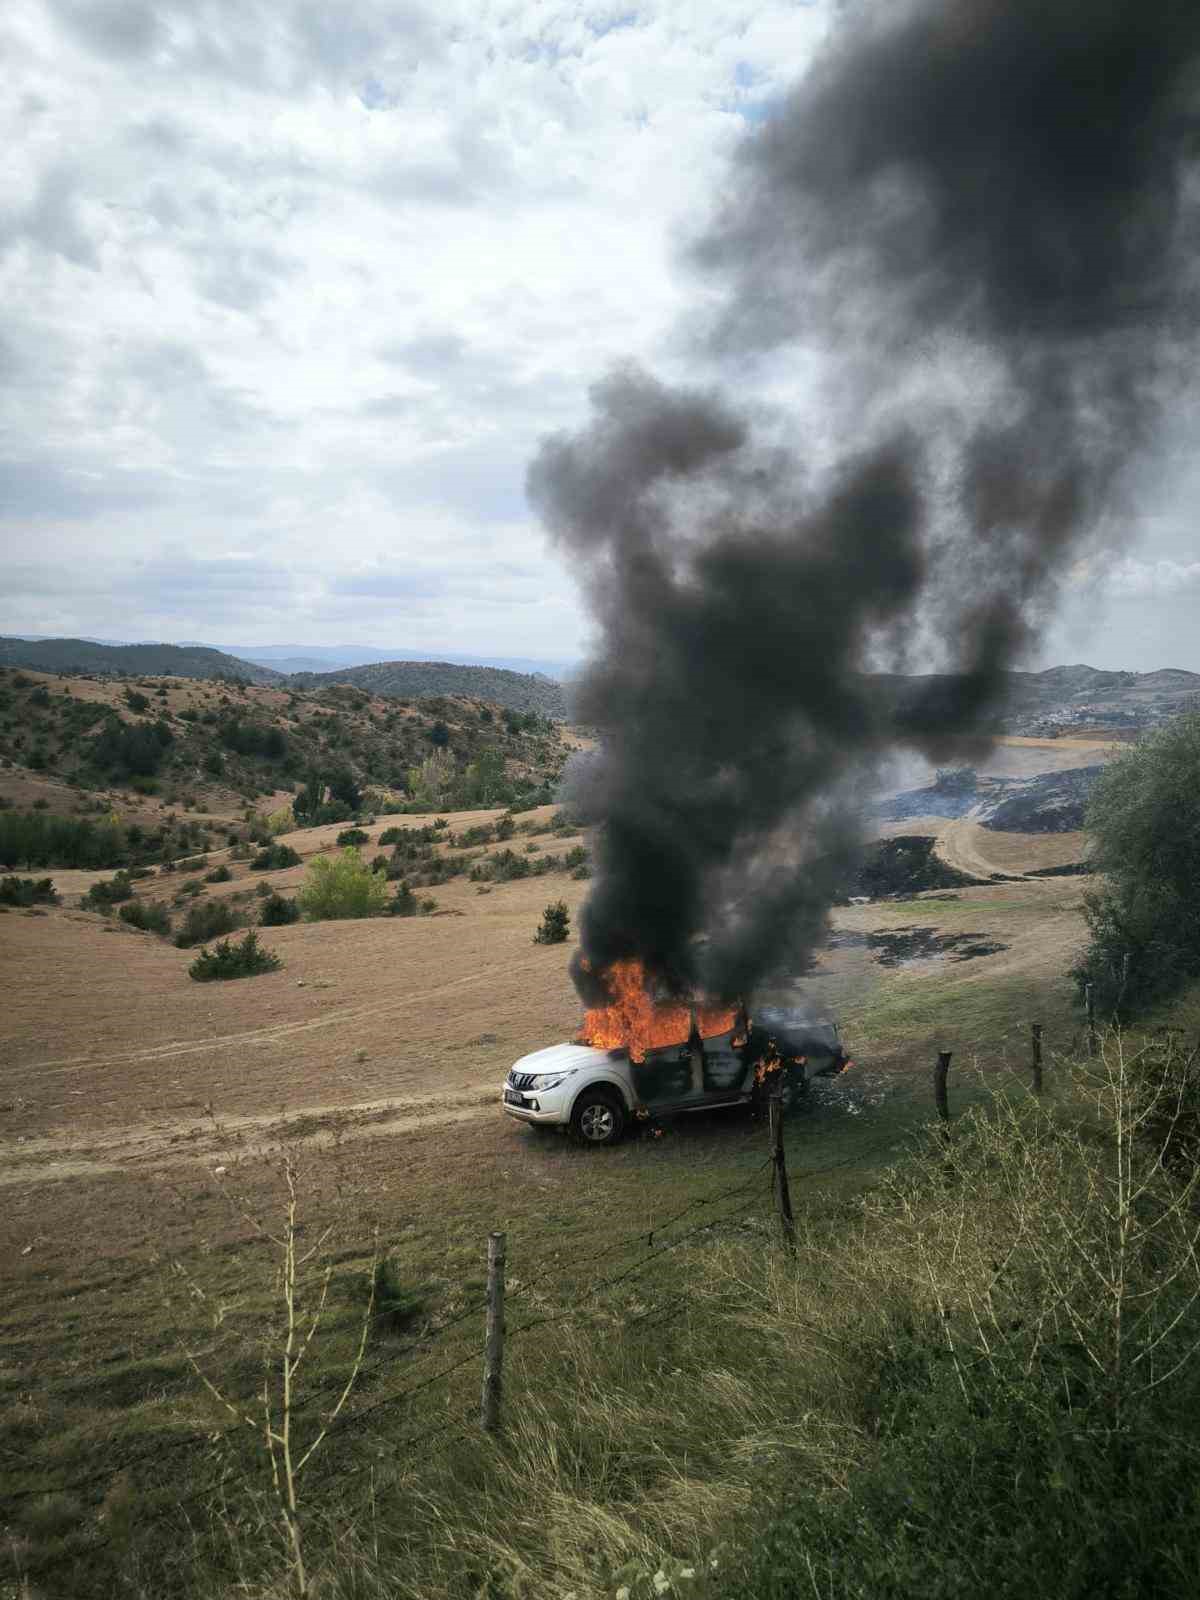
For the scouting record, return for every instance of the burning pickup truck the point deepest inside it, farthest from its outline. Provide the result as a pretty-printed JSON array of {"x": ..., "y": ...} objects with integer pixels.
[{"x": 638, "y": 1058}]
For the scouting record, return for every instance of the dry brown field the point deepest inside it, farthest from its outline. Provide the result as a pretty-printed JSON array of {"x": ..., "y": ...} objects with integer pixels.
[
  {"x": 132, "y": 1099},
  {"x": 113, "y": 1063}
]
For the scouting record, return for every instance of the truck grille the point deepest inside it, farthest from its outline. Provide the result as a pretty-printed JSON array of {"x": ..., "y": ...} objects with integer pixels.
[{"x": 522, "y": 1080}]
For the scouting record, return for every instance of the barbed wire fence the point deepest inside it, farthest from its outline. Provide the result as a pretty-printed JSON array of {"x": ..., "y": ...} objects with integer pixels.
[{"x": 379, "y": 1416}]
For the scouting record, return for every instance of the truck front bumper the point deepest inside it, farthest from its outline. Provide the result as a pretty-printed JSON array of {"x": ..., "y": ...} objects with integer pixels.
[{"x": 547, "y": 1109}]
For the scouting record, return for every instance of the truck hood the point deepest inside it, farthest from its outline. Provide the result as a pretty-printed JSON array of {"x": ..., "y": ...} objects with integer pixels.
[{"x": 561, "y": 1058}]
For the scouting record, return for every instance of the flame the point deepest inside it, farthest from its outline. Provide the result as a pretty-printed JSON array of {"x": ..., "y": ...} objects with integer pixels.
[{"x": 632, "y": 1021}]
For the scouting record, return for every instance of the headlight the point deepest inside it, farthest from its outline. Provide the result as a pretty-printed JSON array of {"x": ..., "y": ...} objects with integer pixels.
[{"x": 549, "y": 1080}]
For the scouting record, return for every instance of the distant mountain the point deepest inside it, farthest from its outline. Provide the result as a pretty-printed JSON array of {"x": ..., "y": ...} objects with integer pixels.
[
  {"x": 1073, "y": 699},
  {"x": 408, "y": 680},
  {"x": 148, "y": 660},
  {"x": 1062, "y": 698},
  {"x": 328, "y": 658}
]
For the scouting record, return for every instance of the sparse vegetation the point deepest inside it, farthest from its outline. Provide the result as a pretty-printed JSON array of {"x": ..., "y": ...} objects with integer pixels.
[
  {"x": 245, "y": 958},
  {"x": 219, "y": 874}
]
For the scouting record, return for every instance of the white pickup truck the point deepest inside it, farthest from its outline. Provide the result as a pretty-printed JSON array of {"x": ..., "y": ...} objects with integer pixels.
[{"x": 597, "y": 1093}]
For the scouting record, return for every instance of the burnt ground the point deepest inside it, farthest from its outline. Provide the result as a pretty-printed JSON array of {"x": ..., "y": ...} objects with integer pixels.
[
  {"x": 1053, "y": 803},
  {"x": 901, "y": 946},
  {"x": 905, "y": 865}
]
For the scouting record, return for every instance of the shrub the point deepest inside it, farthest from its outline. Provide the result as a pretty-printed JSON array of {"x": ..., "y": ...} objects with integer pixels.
[
  {"x": 134, "y": 748},
  {"x": 27, "y": 892},
  {"x": 397, "y": 1306},
  {"x": 575, "y": 857},
  {"x": 274, "y": 858},
  {"x": 150, "y": 918},
  {"x": 281, "y": 821},
  {"x": 220, "y": 874},
  {"x": 342, "y": 886},
  {"x": 34, "y": 839},
  {"x": 352, "y": 836},
  {"x": 245, "y": 959},
  {"x": 1144, "y": 818},
  {"x": 555, "y": 926},
  {"x": 108, "y": 892},
  {"x": 136, "y": 702},
  {"x": 277, "y": 911},
  {"x": 392, "y": 835},
  {"x": 206, "y": 921},
  {"x": 404, "y": 902}
]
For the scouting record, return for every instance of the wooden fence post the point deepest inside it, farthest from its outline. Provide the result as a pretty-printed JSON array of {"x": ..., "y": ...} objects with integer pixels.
[
  {"x": 940, "y": 1098},
  {"x": 1037, "y": 1058},
  {"x": 493, "y": 1356},
  {"x": 779, "y": 1177},
  {"x": 1089, "y": 1000}
]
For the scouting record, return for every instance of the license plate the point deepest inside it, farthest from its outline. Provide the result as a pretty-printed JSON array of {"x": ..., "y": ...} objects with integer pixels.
[{"x": 512, "y": 1098}]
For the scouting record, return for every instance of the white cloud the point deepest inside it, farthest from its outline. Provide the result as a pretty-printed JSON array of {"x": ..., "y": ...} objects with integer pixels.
[
  {"x": 1131, "y": 579},
  {"x": 292, "y": 293}
]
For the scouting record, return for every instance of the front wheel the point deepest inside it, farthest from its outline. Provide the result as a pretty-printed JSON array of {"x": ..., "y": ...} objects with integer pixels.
[{"x": 598, "y": 1118}]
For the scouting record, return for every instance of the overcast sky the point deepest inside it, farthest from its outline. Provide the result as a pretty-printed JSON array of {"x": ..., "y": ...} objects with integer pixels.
[{"x": 292, "y": 291}]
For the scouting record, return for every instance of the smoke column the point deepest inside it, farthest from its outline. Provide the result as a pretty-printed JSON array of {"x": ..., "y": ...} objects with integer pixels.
[{"x": 984, "y": 214}]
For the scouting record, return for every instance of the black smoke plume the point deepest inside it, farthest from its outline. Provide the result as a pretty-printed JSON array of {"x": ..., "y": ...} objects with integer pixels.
[{"x": 984, "y": 213}]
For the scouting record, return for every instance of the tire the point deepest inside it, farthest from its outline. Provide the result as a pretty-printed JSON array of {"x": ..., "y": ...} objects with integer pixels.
[{"x": 597, "y": 1118}]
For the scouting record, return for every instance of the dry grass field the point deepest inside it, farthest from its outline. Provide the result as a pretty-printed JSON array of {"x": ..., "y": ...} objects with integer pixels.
[{"x": 141, "y": 1116}]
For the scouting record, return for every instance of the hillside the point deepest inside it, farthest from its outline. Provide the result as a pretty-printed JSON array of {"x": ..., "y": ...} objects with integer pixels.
[
  {"x": 213, "y": 747},
  {"x": 177, "y": 661},
  {"x": 519, "y": 691},
  {"x": 1070, "y": 698}
]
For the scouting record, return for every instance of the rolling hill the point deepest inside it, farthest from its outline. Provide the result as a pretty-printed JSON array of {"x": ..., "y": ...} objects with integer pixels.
[
  {"x": 153, "y": 660},
  {"x": 411, "y": 680}
]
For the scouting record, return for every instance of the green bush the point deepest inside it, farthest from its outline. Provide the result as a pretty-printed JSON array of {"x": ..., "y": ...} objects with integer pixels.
[
  {"x": 352, "y": 836},
  {"x": 220, "y": 874},
  {"x": 245, "y": 959},
  {"x": 277, "y": 911},
  {"x": 108, "y": 892},
  {"x": 342, "y": 886},
  {"x": 274, "y": 858},
  {"x": 403, "y": 902},
  {"x": 27, "y": 892},
  {"x": 1144, "y": 921},
  {"x": 555, "y": 927},
  {"x": 149, "y": 917},
  {"x": 205, "y": 921},
  {"x": 33, "y": 839}
]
